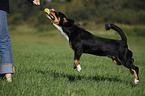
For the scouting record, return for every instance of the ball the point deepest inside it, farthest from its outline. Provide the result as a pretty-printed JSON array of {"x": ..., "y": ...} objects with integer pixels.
[{"x": 47, "y": 10}]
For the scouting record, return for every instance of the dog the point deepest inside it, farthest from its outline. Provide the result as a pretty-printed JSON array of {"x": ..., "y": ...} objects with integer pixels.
[{"x": 82, "y": 41}]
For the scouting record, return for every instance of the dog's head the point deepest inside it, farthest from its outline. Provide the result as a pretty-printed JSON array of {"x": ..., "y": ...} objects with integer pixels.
[{"x": 58, "y": 18}]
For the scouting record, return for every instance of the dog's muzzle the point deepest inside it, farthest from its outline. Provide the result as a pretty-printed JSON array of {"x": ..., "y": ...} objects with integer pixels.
[{"x": 48, "y": 13}]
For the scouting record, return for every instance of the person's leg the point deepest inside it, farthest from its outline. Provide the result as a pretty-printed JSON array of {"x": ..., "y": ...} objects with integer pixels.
[{"x": 6, "y": 66}]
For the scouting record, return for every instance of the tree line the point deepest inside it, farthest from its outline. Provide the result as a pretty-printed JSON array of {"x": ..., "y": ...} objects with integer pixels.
[{"x": 98, "y": 11}]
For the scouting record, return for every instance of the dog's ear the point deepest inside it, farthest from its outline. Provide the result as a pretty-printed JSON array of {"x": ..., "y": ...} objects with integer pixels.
[
  {"x": 71, "y": 21},
  {"x": 67, "y": 22}
]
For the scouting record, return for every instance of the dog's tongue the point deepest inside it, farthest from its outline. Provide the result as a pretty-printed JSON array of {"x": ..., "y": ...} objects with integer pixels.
[{"x": 47, "y": 10}]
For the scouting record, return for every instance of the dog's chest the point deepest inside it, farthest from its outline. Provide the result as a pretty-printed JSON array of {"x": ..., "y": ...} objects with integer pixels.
[{"x": 60, "y": 29}]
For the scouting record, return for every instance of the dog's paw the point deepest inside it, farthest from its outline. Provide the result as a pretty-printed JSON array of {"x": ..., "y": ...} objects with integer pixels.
[
  {"x": 136, "y": 81},
  {"x": 79, "y": 68}
]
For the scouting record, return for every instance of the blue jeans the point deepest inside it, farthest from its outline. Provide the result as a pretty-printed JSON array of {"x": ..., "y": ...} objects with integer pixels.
[{"x": 6, "y": 65}]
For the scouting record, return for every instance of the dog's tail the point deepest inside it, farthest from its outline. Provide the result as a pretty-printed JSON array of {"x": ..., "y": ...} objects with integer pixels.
[{"x": 117, "y": 29}]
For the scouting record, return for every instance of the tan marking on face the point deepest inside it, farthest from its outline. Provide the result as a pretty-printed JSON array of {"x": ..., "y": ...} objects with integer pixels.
[
  {"x": 57, "y": 20},
  {"x": 135, "y": 74},
  {"x": 77, "y": 62}
]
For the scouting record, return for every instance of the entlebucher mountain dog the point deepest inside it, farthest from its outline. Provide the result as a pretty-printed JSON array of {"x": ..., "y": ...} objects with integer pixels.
[{"x": 82, "y": 41}]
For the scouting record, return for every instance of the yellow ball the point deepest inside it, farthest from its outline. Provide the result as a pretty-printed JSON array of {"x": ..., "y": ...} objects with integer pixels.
[{"x": 47, "y": 10}]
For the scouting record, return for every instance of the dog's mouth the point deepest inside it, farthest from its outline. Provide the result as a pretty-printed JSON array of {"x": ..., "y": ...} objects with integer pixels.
[
  {"x": 48, "y": 13},
  {"x": 51, "y": 14}
]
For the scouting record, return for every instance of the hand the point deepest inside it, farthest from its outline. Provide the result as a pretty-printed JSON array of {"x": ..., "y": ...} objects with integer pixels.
[{"x": 36, "y": 2}]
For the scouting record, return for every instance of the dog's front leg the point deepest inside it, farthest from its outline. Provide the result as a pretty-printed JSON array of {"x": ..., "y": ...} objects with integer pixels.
[{"x": 77, "y": 56}]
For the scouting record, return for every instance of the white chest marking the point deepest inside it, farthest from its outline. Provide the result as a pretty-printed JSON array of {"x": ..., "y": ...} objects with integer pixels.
[{"x": 60, "y": 29}]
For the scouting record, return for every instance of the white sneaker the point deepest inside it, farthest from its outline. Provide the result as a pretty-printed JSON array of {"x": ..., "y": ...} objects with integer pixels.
[
  {"x": 79, "y": 68},
  {"x": 8, "y": 77}
]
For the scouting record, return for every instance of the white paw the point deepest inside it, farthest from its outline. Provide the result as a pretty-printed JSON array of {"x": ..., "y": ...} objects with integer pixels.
[
  {"x": 79, "y": 68},
  {"x": 136, "y": 81}
]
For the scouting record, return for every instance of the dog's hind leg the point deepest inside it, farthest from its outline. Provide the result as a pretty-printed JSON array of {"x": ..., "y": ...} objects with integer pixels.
[
  {"x": 115, "y": 60},
  {"x": 133, "y": 69},
  {"x": 132, "y": 72},
  {"x": 77, "y": 56}
]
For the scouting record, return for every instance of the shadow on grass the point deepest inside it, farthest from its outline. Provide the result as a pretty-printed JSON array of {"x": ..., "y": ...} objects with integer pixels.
[{"x": 73, "y": 78}]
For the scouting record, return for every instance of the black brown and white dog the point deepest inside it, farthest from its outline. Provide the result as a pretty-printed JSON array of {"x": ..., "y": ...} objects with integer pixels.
[{"x": 82, "y": 41}]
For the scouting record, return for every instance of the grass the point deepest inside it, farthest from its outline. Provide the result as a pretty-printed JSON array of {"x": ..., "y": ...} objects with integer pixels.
[{"x": 44, "y": 67}]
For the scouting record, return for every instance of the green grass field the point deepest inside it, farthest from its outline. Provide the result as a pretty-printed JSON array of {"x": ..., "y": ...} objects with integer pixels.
[{"x": 44, "y": 67}]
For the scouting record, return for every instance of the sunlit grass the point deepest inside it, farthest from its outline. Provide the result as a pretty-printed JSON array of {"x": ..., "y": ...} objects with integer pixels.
[{"x": 44, "y": 67}]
